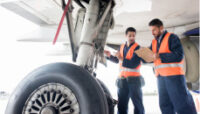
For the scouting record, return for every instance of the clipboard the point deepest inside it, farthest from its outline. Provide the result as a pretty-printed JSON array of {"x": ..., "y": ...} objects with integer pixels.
[{"x": 145, "y": 53}]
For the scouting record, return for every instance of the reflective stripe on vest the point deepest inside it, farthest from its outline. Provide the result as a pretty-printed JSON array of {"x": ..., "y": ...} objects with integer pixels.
[
  {"x": 168, "y": 65},
  {"x": 129, "y": 70},
  {"x": 166, "y": 69},
  {"x": 125, "y": 72}
]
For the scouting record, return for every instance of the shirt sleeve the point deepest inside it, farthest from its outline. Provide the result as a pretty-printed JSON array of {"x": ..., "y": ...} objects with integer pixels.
[
  {"x": 150, "y": 47},
  {"x": 113, "y": 59},
  {"x": 176, "y": 49}
]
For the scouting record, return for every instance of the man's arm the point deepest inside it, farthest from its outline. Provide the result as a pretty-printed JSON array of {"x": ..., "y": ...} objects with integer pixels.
[
  {"x": 150, "y": 47},
  {"x": 176, "y": 49},
  {"x": 111, "y": 57}
]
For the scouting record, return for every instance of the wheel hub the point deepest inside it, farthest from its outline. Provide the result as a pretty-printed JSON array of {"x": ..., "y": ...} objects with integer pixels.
[
  {"x": 48, "y": 110},
  {"x": 52, "y": 98}
]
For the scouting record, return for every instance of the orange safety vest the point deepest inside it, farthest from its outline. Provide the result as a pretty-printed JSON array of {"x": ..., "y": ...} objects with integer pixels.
[
  {"x": 166, "y": 69},
  {"x": 124, "y": 71}
]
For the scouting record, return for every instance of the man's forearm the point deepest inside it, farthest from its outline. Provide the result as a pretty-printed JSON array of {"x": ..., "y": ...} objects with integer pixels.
[{"x": 113, "y": 59}]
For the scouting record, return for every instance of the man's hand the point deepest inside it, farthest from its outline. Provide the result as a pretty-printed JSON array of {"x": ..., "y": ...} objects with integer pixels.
[
  {"x": 107, "y": 53},
  {"x": 156, "y": 56},
  {"x": 118, "y": 55}
]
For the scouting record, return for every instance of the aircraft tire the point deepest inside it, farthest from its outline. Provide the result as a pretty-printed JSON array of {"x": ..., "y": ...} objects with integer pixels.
[
  {"x": 111, "y": 102},
  {"x": 58, "y": 88}
]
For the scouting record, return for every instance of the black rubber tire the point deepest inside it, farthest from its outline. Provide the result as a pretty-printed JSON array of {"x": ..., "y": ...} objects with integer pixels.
[
  {"x": 86, "y": 88},
  {"x": 111, "y": 106},
  {"x": 105, "y": 89}
]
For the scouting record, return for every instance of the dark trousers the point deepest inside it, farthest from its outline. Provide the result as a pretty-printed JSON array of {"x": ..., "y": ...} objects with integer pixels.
[
  {"x": 174, "y": 96},
  {"x": 130, "y": 88}
]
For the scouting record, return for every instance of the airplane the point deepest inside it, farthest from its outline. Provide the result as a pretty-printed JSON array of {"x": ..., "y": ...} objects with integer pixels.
[{"x": 91, "y": 26}]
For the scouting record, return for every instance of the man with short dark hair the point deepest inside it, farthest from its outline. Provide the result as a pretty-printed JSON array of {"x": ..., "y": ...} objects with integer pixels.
[
  {"x": 129, "y": 81},
  {"x": 168, "y": 64}
]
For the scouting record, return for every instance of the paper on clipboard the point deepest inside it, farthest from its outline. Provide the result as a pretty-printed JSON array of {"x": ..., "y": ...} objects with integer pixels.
[{"x": 145, "y": 53}]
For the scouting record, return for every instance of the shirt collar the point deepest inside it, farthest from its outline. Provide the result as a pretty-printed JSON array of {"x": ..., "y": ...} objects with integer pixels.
[
  {"x": 129, "y": 45},
  {"x": 161, "y": 36}
]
